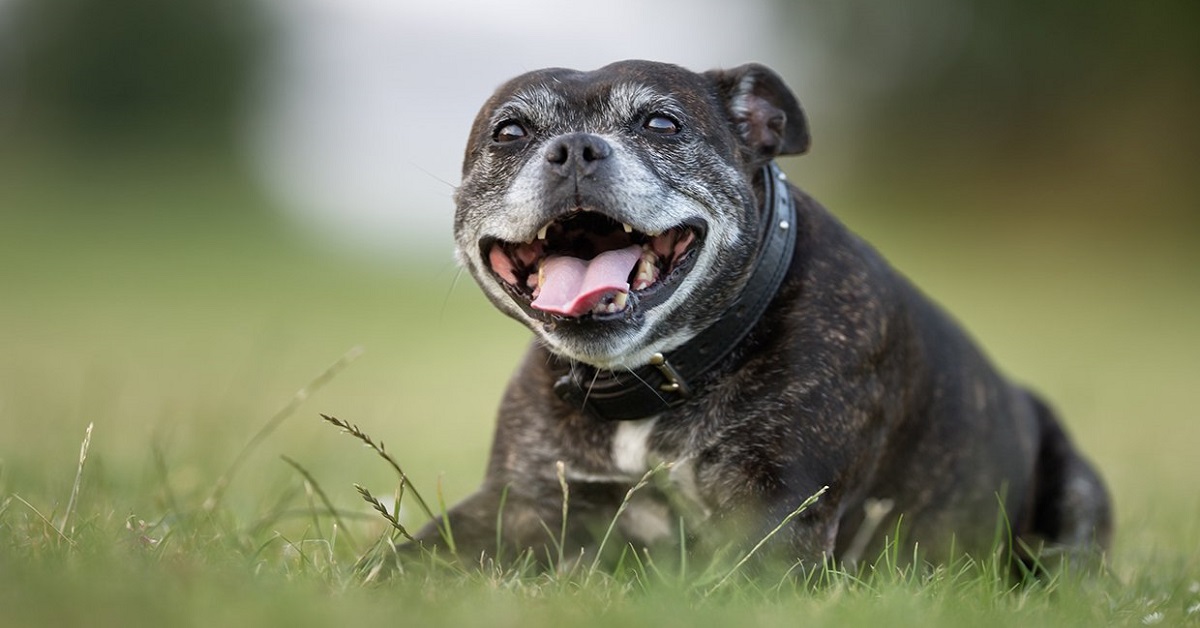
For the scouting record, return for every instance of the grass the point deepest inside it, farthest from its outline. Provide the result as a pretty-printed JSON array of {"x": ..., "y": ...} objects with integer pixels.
[{"x": 149, "y": 340}]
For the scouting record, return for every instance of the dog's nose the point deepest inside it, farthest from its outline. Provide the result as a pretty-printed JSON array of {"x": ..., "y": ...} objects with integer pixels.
[{"x": 580, "y": 153}]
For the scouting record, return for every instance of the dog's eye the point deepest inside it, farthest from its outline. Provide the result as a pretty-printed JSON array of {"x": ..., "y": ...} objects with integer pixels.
[
  {"x": 661, "y": 124},
  {"x": 509, "y": 131}
]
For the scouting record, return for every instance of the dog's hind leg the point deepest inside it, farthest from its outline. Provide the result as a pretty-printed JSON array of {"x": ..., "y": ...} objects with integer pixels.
[{"x": 1071, "y": 513}]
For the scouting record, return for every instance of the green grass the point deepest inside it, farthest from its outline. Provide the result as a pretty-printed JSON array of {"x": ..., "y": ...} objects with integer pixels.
[{"x": 160, "y": 302}]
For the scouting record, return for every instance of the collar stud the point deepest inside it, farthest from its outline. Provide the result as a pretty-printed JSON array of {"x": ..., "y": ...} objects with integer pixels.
[{"x": 674, "y": 383}]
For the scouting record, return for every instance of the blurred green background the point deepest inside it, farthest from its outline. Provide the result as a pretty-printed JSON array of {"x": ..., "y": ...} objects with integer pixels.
[{"x": 1032, "y": 167}]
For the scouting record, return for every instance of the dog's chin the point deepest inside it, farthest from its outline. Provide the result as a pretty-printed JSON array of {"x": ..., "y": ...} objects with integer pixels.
[{"x": 601, "y": 345}]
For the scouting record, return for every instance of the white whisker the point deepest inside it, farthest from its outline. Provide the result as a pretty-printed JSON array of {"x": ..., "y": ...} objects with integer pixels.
[
  {"x": 450, "y": 292},
  {"x": 588, "y": 392},
  {"x": 647, "y": 385}
]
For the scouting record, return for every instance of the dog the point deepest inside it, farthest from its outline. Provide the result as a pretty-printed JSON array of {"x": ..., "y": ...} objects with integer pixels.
[{"x": 691, "y": 308}]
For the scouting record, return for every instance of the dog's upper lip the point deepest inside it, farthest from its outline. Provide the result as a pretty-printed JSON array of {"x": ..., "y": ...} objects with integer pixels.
[
  {"x": 592, "y": 265},
  {"x": 625, "y": 226}
]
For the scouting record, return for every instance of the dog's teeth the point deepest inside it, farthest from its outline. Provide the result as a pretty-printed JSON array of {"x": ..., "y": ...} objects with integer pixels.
[
  {"x": 628, "y": 228},
  {"x": 647, "y": 270},
  {"x": 611, "y": 304},
  {"x": 541, "y": 235},
  {"x": 540, "y": 279}
]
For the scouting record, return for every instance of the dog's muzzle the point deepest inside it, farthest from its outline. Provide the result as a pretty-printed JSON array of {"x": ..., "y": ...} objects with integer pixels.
[{"x": 588, "y": 264}]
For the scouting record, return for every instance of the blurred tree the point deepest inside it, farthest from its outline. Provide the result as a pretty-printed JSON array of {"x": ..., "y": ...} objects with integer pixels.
[
  {"x": 1100, "y": 93},
  {"x": 130, "y": 68}
]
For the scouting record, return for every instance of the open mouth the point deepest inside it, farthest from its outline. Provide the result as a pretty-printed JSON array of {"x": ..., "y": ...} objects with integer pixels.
[{"x": 586, "y": 264}]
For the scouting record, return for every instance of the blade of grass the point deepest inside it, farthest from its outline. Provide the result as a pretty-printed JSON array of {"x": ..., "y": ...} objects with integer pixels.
[
  {"x": 786, "y": 520},
  {"x": 551, "y": 554},
  {"x": 302, "y": 395},
  {"x": 272, "y": 515},
  {"x": 500, "y": 523},
  {"x": 560, "y": 468},
  {"x": 163, "y": 475},
  {"x": 381, "y": 509},
  {"x": 353, "y": 430},
  {"x": 620, "y": 510},
  {"x": 683, "y": 553},
  {"x": 263, "y": 546},
  {"x": 445, "y": 527},
  {"x": 83, "y": 452},
  {"x": 316, "y": 487},
  {"x": 313, "y": 515},
  {"x": 379, "y": 448},
  {"x": 44, "y": 519}
]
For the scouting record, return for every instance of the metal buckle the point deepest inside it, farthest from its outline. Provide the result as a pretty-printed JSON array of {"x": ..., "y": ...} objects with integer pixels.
[{"x": 675, "y": 383}]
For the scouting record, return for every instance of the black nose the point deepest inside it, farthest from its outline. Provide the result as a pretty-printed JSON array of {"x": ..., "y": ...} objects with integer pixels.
[{"x": 577, "y": 153}]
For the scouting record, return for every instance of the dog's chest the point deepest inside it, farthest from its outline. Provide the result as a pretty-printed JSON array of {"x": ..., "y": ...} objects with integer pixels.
[
  {"x": 648, "y": 516},
  {"x": 634, "y": 449},
  {"x": 633, "y": 453},
  {"x": 631, "y": 446},
  {"x": 629, "y": 454}
]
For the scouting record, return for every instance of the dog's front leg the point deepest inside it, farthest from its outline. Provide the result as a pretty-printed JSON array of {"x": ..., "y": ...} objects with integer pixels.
[
  {"x": 494, "y": 522},
  {"x": 468, "y": 529},
  {"x": 504, "y": 523}
]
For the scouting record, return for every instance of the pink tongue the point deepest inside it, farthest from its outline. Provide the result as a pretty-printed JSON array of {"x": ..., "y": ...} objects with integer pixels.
[{"x": 572, "y": 287}]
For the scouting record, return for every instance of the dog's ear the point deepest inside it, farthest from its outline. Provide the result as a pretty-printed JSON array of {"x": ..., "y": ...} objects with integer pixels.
[{"x": 764, "y": 112}]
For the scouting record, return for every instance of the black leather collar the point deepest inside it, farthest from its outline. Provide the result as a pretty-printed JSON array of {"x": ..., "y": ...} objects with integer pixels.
[{"x": 666, "y": 381}]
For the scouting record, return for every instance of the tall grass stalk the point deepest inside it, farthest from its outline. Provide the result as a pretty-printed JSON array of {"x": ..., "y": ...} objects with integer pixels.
[
  {"x": 315, "y": 486},
  {"x": 71, "y": 503},
  {"x": 405, "y": 483},
  {"x": 560, "y": 469},
  {"x": 620, "y": 510},
  {"x": 302, "y": 395},
  {"x": 45, "y": 520},
  {"x": 812, "y": 499}
]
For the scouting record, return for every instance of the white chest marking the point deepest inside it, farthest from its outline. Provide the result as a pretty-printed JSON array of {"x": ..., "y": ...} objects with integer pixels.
[{"x": 631, "y": 446}]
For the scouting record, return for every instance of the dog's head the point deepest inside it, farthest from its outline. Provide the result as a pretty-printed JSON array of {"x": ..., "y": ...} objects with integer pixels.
[{"x": 613, "y": 211}]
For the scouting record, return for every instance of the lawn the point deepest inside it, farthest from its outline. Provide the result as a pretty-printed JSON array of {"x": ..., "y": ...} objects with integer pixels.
[{"x": 163, "y": 303}]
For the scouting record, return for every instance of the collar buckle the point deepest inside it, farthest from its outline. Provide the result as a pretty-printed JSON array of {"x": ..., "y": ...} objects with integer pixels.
[{"x": 674, "y": 383}]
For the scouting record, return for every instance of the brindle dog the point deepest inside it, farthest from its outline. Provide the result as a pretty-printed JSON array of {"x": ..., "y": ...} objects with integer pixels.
[{"x": 691, "y": 307}]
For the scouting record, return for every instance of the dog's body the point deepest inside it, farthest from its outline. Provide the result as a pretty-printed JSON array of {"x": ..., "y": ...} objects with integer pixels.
[{"x": 628, "y": 216}]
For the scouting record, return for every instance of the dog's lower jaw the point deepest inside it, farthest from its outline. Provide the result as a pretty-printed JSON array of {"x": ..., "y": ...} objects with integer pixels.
[
  {"x": 622, "y": 349},
  {"x": 625, "y": 344},
  {"x": 620, "y": 356}
]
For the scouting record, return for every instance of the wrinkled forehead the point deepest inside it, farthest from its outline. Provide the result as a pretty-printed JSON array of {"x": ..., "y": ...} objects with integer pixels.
[{"x": 593, "y": 101}]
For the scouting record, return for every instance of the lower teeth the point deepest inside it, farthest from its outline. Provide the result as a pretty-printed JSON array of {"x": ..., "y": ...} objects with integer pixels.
[
  {"x": 647, "y": 270},
  {"x": 611, "y": 305}
]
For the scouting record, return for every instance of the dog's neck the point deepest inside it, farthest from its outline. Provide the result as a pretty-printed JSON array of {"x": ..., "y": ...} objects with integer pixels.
[{"x": 670, "y": 378}]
